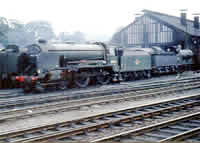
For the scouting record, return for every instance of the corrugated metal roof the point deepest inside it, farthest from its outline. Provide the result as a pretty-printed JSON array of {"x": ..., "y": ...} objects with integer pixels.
[{"x": 174, "y": 22}]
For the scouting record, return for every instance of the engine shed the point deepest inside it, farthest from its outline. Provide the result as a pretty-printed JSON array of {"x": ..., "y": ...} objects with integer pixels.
[{"x": 159, "y": 29}]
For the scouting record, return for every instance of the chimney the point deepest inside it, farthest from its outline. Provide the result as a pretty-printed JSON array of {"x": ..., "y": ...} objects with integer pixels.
[
  {"x": 196, "y": 22},
  {"x": 183, "y": 19}
]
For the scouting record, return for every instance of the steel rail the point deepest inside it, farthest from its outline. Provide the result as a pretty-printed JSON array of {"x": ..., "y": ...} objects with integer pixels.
[
  {"x": 92, "y": 94},
  {"x": 182, "y": 136},
  {"x": 139, "y": 131},
  {"x": 126, "y": 117},
  {"x": 71, "y": 105},
  {"x": 5, "y": 94},
  {"x": 45, "y": 97}
]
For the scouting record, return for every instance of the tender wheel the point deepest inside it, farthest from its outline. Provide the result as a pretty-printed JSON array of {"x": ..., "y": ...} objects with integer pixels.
[
  {"x": 82, "y": 80},
  {"x": 141, "y": 74},
  {"x": 125, "y": 76},
  {"x": 135, "y": 75}
]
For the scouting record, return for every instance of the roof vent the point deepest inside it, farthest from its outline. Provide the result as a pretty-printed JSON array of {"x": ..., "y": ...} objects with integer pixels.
[
  {"x": 196, "y": 22},
  {"x": 183, "y": 19}
]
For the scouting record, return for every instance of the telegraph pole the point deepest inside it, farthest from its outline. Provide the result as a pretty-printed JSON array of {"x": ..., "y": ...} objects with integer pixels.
[
  {"x": 178, "y": 58},
  {"x": 185, "y": 33}
]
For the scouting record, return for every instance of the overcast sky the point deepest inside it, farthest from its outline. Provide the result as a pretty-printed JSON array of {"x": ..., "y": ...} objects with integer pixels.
[{"x": 94, "y": 17}]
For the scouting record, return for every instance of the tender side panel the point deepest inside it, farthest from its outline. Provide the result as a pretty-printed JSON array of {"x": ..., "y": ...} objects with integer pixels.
[
  {"x": 164, "y": 60},
  {"x": 135, "y": 63}
]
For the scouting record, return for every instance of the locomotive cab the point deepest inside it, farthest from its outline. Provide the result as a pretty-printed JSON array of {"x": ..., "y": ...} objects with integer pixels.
[{"x": 8, "y": 65}]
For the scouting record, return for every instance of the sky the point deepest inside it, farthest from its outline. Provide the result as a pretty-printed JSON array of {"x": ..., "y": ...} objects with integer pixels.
[{"x": 96, "y": 18}]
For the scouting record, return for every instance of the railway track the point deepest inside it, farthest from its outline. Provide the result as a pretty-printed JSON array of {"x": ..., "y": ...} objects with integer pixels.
[
  {"x": 195, "y": 138},
  {"x": 177, "y": 129},
  {"x": 5, "y": 94},
  {"x": 91, "y": 128},
  {"x": 12, "y": 93},
  {"x": 77, "y": 104},
  {"x": 35, "y": 100},
  {"x": 9, "y": 93}
]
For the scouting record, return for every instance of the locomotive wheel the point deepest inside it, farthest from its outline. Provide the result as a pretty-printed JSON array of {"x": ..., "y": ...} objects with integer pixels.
[
  {"x": 82, "y": 80},
  {"x": 128, "y": 76},
  {"x": 148, "y": 74},
  {"x": 125, "y": 76},
  {"x": 39, "y": 88},
  {"x": 103, "y": 79},
  {"x": 1, "y": 82},
  {"x": 63, "y": 85},
  {"x": 27, "y": 88},
  {"x": 27, "y": 85}
]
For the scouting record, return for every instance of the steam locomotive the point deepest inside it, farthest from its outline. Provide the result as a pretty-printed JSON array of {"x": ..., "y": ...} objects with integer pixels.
[{"x": 62, "y": 65}]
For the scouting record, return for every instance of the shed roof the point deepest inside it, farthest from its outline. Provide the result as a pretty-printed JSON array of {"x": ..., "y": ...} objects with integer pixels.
[{"x": 174, "y": 22}]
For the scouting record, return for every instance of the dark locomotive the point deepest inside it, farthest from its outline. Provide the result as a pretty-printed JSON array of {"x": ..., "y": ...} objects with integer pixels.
[
  {"x": 70, "y": 64},
  {"x": 62, "y": 65},
  {"x": 8, "y": 65}
]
